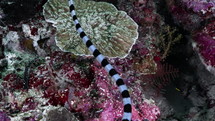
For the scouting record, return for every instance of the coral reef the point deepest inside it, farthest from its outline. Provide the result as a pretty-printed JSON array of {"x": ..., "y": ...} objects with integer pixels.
[
  {"x": 205, "y": 40},
  {"x": 113, "y": 32},
  {"x": 200, "y": 6},
  {"x": 200, "y": 23},
  {"x": 15, "y": 62},
  {"x": 4, "y": 117},
  {"x": 193, "y": 18},
  {"x": 90, "y": 92},
  {"x": 59, "y": 114},
  {"x": 166, "y": 58},
  {"x": 45, "y": 78},
  {"x": 13, "y": 10}
]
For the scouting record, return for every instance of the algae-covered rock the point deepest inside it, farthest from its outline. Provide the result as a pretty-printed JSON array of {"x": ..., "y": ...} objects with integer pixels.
[{"x": 113, "y": 32}]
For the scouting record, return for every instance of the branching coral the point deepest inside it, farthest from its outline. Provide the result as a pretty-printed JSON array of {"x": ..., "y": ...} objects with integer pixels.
[
  {"x": 113, "y": 32},
  {"x": 167, "y": 38}
]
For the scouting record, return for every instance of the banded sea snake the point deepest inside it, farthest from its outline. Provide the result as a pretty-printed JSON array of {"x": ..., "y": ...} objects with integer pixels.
[{"x": 108, "y": 67}]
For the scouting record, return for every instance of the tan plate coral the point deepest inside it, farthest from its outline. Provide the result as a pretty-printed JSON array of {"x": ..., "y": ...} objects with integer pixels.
[{"x": 113, "y": 32}]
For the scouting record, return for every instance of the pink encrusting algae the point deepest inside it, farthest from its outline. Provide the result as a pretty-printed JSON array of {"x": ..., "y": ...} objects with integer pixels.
[
  {"x": 85, "y": 90},
  {"x": 205, "y": 39},
  {"x": 197, "y": 16},
  {"x": 201, "y": 6}
]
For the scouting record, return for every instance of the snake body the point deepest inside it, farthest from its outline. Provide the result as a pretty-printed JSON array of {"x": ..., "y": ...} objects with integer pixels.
[{"x": 104, "y": 62}]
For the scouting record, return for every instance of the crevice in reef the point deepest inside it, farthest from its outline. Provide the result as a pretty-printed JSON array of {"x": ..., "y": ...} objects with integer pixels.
[{"x": 182, "y": 92}]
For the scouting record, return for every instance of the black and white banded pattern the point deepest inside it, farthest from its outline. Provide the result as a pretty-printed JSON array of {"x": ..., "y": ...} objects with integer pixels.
[{"x": 101, "y": 59}]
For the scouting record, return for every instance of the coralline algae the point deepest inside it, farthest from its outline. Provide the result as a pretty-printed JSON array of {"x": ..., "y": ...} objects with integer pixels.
[
  {"x": 202, "y": 6},
  {"x": 205, "y": 40},
  {"x": 84, "y": 89},
  {"x": 197, "y": 17}
]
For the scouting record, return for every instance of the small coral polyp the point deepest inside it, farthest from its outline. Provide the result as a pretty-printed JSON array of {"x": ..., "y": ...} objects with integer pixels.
[{"x": 113, "y": 32}]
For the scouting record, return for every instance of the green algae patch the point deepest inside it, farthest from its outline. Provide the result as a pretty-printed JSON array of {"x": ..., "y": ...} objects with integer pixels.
[{"x": 113, "y": 32}]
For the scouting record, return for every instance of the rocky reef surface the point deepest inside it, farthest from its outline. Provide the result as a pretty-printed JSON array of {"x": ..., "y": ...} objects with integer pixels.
[{"x": 169, "y": 69}]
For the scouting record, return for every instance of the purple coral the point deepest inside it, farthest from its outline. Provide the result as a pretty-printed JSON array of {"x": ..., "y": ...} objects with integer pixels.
[
  {"x": 206, "y": 43},
  {"x": 190, "y": 13},
  {"x": 4, "y": 117},
  {"x": 203, "y": 6},
  {"x": 206, "y": 48}
]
